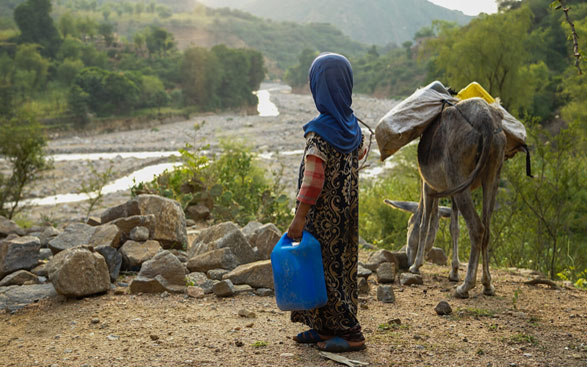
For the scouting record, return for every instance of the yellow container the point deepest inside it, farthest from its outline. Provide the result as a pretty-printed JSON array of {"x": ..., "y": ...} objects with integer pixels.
[{"x": 475, "y": 90}]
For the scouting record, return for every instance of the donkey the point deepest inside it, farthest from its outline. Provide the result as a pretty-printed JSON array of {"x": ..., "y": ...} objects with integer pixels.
[{"x": 464, "y": 148}]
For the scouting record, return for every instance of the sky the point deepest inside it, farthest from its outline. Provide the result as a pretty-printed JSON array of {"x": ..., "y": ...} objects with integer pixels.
[{"x": 469, "y": 7}]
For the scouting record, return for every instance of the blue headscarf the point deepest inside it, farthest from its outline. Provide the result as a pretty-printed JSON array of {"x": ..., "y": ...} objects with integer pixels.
[{"x": 331, "y": 83}]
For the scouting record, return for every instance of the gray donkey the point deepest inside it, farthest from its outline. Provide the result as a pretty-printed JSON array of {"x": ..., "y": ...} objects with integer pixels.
[{"x": 464, "y": 148}]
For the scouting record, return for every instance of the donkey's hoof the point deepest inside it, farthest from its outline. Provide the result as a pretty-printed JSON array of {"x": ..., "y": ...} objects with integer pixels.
[
  {"x": 414, "y": 269},
  {"x": 460, "y": 293},
  {"x": 489, "y": 291},
  {"x": 453, "y": 277}
]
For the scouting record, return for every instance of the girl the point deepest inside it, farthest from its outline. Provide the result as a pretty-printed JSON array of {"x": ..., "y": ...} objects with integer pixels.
[{"x": 328, "y": 204}]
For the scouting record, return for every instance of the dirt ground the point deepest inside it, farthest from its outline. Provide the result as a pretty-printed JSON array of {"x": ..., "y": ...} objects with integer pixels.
[{"x": 521, "y": 326}]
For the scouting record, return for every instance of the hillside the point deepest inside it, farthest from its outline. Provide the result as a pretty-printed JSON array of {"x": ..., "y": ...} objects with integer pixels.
[{"x": 374, "y": 22}]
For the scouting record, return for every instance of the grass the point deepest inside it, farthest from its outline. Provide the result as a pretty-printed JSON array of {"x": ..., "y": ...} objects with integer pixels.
[
  {"x": 522, "y": 338},
  {"x": 259, "y": 344}
]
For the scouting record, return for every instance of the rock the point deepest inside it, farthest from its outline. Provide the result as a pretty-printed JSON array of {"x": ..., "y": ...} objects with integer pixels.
[
  {"x": 79, "y": 272},
  {"x": 443, "y": 308},
  {"x": 385, "y": 294},
  {"x": 195, "y": 292},
  {"x": 20, "y": 277},
  {"x": 139, "y": 233},
  {"x": 127, "y": 224},
  {"x": 189, "y": 223},
  {"x": 250, "y": 228},
  {"x": 19, "y": 253},
  {"x": 113, "y": 260},
  {"x": 48, "y": 234},
  {"x": 94, "y": 221},
  {"x": 7, "y": 227},
  {"x": 128, "y": 209},
  {"x": 75, "y": 234},
  {"x": 363, "y": 272},
  {"x": 243, "y": 288},
  {"x": 216, "y": 259},
  {"x": 402, "y": 259},
  {"x": 409, "y": 279},
  {"x": 106, "y": 235},
  {"x": 239, "y": 245},
  {"x": 198, "y": 212},
  {"x": 223, "y": 288},
  {"x": 209, "y": 235},
  {"x": 364, "y": 244},
  {"x": 379, "y": 257},
  {"x": 167, "y": 265},
  {"x": 200, "y": 280},
  {"x": 134, "y": 254},
  {"x": 264, "y": 292},
  {"x": 217, "y": 274},
  {"x": 265, "y": 238},
  {"x": 15, "y": 297},
  {"x": 180, "y": 254},
  {"x": 437, "y": 256},
  {"x": 158, "y": 284},
  {"x": 385, "y": 273},
  {"x": 41, "y": 270},
  {"x": 45, "y": 254},
  {"x": 364, "y": 287},
  {"x": 169, "y": 227},
  {"x": 258, "y": 274},
  {"x": 246, "y": 314}
]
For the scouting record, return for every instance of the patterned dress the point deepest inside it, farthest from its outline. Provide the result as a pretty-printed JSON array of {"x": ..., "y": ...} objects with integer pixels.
[{"x": 333, "y": 220}]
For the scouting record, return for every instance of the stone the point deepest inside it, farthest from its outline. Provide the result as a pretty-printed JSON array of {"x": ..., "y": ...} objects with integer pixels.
[
  {"x": 19, "y": 253},
  {"x": 41, "y": 270},
  {"x": 127, "y": 224},
  {"x": 8, "y": 226},
  {"x": 258, "y": 274},
  {"x": 385, "y": 273},
  {"x": 200, "y": 280},
  {"x": 209, "y": 235},
  {"x": 385, "y": 294},
  {"x": 16, "y": 297},
  {"x": 48, "y": 234},
  {"x": 134, "y": 254},
  {"x": 224, "y": 288},
  {"x": 94, "y": 221},
  {"x": 198, "y": 212},
  {"x": 250, "y": 228},
  {"x": 364, "y": 287},
  {"x": 243, "y": 288},
  {"x": 216, "y": 259},
  {"x": 75, "y": 234},
  {"x": 195, "y": 292},
  {"x": 79, "y": 272},
  {"x": 167, "y": 265},
  {"x": 239, "y": 245},
  {"x": 217, "y": 274},
  {"x": 246, "y": 314},
  {"x": 264, "y": 292},
  {"x": 139, "y": 233},
  {"x": 363, "y": 272},
  {"x": 265, "y": 238},
  {"x": 147, "y": 285},
  {"x": 379, "y": 257},
  {"x": 364, "y": 244},
  {"x": 113, "y": 260},
  {"x": 128, "y": 209},
  {"x": 169, "y": 227},
  {"x": 409, "y": 279},
  {"x": 106, "y": 235},
  {"x": 437, "y": 256},
  {"x": 45, "y": 254},
  {"x": 180, "y": 254},
  {"x": 20, "y": 277},
  {"x": 189, "y": 223},
  {"x": 443, "y": 308}
]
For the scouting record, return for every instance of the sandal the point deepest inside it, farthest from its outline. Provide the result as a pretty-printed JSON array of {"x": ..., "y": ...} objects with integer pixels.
[
  {"x": 307, "y": 337},
  {"x": 339, "y": 345}
]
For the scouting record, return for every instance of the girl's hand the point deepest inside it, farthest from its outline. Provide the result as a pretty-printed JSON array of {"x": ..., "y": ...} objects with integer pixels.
[{"x": 297, "y": 224}]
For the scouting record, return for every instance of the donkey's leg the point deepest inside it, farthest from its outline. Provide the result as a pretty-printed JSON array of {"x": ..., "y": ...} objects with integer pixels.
[
  {"x": 429, "y": 212},
  {"x": 414, "y": 230},
  {"x": 454, "y": 236},
  {"x": 489, "y": 197},
  {"x": 465, "y": 204}
]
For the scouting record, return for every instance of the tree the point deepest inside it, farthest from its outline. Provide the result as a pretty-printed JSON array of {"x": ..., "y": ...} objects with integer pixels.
[
  {"x": 106, "y": 30},
  {"x": 21, "y": 143},
  {"x": 67, "y": 25},
  {"x": 159, "y": 41},
  {"x": 202, "y": 75},
  {"x": 36, "y": 25},
  {"x": 31, "y": 68},
  {"x": 234, "y": 89},
  {"x": 297, "y": 76}
]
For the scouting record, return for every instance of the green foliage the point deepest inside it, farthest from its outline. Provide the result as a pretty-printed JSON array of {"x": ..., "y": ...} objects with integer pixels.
[
  {"x": 297, "y": 76},
  {"x": 21, "y": 143},
  {"x": 159, "y": 41},
  {"x": 259, "y": 344},
  {"x": 36, "y": 25},
  {"x": 30, "y": 70}
]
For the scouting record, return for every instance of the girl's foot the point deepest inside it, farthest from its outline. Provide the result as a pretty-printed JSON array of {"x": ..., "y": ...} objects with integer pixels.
[
  {"x": 340, "y": 345},
  {"x": 310, "y": 336}
]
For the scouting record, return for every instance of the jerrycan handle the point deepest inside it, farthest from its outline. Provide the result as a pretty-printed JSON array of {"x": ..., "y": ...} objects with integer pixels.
[{"x": 307, "y": 240}]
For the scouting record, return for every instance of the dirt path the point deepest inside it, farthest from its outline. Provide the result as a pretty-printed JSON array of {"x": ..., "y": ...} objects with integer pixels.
[{"x": 521, "y": 326}]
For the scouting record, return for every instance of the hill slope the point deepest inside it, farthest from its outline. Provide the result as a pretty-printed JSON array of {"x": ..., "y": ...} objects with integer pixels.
[{"x": 372, "y": 22}]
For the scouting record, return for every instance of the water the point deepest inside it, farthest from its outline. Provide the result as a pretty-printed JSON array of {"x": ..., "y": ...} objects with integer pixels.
[
  {"x": 99, "y": 156},
  {"x": 266, "y": 108}
]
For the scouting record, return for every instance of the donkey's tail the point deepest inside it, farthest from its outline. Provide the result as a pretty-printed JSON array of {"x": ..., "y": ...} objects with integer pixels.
[{"x": 485, "y": 142}]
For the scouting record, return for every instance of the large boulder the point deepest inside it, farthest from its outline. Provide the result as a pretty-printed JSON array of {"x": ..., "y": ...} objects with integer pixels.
[
  {"x": 19, "y": 253},
  {"x": 9, "y": 227},
  {"x": 113, "y": 260},
  {"x": 79, "y": 272},
  {"x": 20, "y": 277},
  {"x": 169, "y": 227},
  {"x": 134, "y": 254},
  {"x": 258, "y": 274},
  {"x": 127, "y": 224},
  {"x": 75, "y": 234},
  {"x": 250, "y": 229},
  {"x": 239, "y": 245},
  {"x": 127, "y": 209},
  {"x": 106, "y": 235},
  {"x": 265, "y": 238},
  {"x": 166, "y": 265},
  {"x": 15, "y": 297},
  {"x": 222, "y": 258},
  {"x": 209, "y": 235},
  {"x": 198, "y": 212},
  {"x": 400, "y": 259}
]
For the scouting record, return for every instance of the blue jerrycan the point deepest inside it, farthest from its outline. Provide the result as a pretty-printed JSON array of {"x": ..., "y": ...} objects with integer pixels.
[{"x": 298, "y": 274}]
